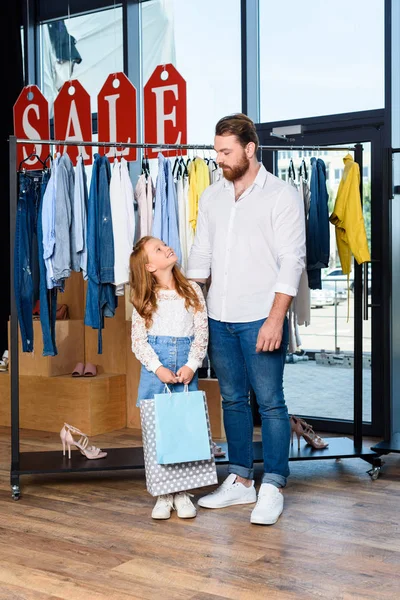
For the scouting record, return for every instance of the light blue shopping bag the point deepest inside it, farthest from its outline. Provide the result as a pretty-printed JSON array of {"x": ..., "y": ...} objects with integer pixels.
[{"x": 182, "y": 433}]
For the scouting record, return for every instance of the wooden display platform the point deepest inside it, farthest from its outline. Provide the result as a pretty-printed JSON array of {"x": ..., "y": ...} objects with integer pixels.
[
  {"x": 93, "y": 404},
  {"x": 70, "y": 339}
]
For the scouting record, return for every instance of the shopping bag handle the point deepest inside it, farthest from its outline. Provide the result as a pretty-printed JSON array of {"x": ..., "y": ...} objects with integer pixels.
[{"x": 167, "y": 390}]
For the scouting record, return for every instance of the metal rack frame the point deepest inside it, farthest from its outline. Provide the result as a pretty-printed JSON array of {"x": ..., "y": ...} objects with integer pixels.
[{"x": 23, "y": 463}]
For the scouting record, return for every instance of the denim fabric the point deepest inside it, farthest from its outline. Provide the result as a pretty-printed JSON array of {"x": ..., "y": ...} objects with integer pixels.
[
  {"x": 318, "y": 224},
  {"x": 233, "y": 356},
  {"x": 165, "y": 224},
  {"x": 65, "y": 183},
  {"x": 101, "y": 300},
  {"x": 28, "y": 259},
  {"x": 173, "y": 353}
]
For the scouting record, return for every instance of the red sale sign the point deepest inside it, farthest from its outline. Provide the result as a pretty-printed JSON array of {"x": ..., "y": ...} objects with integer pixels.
[
  {"x": 116, "y": 110},
  {"x": 73, "y": 120},
  {"x": 165, "y": 120},
  {"x": 31, "y": 121}
]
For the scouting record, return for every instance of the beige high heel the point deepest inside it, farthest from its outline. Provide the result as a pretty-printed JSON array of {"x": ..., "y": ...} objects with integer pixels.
[
  {"x": 91, "y": 452},
  {"x": 303, "y": 429}
]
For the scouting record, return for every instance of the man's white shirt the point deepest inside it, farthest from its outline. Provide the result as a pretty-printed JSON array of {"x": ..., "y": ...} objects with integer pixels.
[{"x": 252, "y": 247}]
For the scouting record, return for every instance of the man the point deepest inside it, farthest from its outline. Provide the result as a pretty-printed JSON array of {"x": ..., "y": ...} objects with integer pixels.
[{"x": 250, "y": 238}]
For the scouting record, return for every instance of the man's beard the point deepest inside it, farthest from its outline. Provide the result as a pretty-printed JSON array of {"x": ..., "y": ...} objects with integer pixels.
[{"x": 236, "y": 172}]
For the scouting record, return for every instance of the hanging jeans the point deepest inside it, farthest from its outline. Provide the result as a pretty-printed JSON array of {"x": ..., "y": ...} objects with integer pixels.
[
  {"x": 29, "y": 267},
  {"x": 233, "y": 356}
]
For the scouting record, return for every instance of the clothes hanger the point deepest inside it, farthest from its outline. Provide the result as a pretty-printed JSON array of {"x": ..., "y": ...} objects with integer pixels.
[
  {"x": 303, "y": 169},
  {"x": 145, "y": 165},
  {"x": 291, "y": 170},
  {"x": 33, "y": 155}
]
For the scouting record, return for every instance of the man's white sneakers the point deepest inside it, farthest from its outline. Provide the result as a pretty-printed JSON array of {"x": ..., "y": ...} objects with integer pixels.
[
  {"x": 229, "y": 493},
  {"x": 269, "y": 505}
]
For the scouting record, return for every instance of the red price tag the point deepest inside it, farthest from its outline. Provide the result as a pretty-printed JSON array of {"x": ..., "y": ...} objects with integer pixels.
[
  {"x": 31, "y": 121},
  {"x": 165, "y": 118},
  {"x": 116, "y": 109},
  {"x": 73, "y": 120}
]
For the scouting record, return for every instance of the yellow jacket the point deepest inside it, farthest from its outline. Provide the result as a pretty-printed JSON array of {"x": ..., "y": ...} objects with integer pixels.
[{"x": 347, "y": 216}]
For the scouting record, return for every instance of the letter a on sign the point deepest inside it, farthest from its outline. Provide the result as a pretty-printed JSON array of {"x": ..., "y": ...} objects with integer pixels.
[
  {"x": 73, "y": 120},
  {"x": 31, "y": 121},
  {"x": 116, "y": 110},
  {"x": 165, "y": 119}
]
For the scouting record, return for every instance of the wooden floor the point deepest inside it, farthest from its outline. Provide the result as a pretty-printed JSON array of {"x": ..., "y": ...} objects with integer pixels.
[{"x": 90, "y": 537}]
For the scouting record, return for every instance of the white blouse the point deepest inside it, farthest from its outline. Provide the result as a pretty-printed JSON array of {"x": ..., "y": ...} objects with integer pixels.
[{"x": 172, "y": 319}]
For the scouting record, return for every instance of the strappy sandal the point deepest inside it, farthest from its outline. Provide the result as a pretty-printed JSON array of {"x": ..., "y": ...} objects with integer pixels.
[
  {"x": 303, "y": 429},
  {"x": 91, "y": 452},
  {"x": 217, "y": 450}
]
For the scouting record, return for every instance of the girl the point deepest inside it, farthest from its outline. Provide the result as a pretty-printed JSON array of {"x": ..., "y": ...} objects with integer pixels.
[{"x": 169, "y": 335}]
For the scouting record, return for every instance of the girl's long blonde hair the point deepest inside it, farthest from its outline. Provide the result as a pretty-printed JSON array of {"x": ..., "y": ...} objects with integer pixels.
[{"x": 144, "y": 286}]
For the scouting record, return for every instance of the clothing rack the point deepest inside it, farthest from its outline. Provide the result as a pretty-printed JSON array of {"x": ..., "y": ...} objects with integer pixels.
[
  {"x": 391, "y": 443},
  {"x": 24, "y": 463}
]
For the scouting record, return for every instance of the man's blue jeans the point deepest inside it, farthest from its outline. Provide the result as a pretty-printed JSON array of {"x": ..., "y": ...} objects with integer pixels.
[{"x": 233, "y": 356}]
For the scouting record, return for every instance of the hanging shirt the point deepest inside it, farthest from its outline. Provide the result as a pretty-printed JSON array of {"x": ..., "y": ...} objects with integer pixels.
[
  {"x": 199, "y": 180},
  {"x": 48, "y": 222},
  {"x": 144, "y": 196},
  {"x": 252, "y": 247},
  {"x": 182, "y": 221},
  {"x": 302, "y": 302},
  {"x": 189, "y": 230},
  {"x": 347, "y": 216},
  {"x": 79, "y": 220},
  {"x": 300, "y": 309},
  {"x": 165, "y": 224},
  {"x": 65, "y": 183},
  {"x": 318, "y": 225},
  {"x": 101, "y": 300},
  {"x": 123, "y": 221}
]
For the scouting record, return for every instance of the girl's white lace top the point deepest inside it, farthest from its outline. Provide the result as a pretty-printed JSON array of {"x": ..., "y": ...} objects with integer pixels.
[{"x": 171, "y": 318}]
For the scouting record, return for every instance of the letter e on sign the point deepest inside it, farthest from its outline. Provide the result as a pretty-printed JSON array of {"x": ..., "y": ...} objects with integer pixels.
[
  {"x": 31, "y": 121},
  {"x": 165, "y": 119},
  {"x": 116, "y": 110},
  {"x": 73, "y": 120}
]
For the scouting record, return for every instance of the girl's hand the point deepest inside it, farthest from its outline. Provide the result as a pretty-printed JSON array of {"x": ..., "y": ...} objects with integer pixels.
[
  {"x": 166, "y": 375},
  {"x": 185, "y": 375}
]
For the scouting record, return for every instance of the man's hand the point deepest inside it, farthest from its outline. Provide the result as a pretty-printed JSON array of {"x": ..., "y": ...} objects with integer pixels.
[
  {"x": 185, "y": 375},
  {"x": 270, "y": 336},
  {"x": 166, "y": 375}
]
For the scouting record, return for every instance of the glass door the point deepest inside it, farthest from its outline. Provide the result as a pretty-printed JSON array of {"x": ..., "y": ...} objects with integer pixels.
[{"x": 320, "y": 379}]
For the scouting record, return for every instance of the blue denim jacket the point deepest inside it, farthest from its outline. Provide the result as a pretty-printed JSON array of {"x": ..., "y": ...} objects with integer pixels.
[
  {"x": 318, "y": 224},
  {"x": 101, "y": 300},
  {"x": 165, "y": 224}
]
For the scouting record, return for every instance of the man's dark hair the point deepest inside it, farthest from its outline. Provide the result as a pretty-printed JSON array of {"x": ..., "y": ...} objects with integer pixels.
[{"x": 239, "y": 125}]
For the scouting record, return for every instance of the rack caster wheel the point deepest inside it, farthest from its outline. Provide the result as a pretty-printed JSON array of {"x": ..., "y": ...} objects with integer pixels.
[
  {"x": 15, "y": 492},
  {"x": 374, "y": 473}
]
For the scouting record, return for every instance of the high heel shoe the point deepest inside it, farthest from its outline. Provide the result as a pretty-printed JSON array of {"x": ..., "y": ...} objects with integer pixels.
[
  {"x": 82, "y": 444},
  {"x": 303, "y": 429}
]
